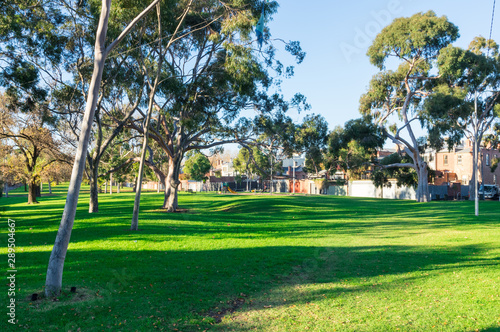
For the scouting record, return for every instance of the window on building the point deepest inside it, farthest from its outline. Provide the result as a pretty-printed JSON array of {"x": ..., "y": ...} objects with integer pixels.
[
  {"x": 459, "y": 159},
  {"x": 487, "y": 158},
  {"x": 445, "y": 160}
]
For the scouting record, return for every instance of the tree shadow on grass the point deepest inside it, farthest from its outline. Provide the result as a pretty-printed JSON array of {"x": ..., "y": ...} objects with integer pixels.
[
  {"x": 276, "y": 217},
  {"x": 180, "y": 289}
]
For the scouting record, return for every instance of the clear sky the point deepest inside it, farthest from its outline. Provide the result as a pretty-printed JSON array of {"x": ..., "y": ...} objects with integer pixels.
[{"x": 336, "y": 36}]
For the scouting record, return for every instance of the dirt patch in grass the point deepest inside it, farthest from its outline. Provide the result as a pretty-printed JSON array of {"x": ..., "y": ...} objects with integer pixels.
[
  {"x": 218, "y": 314},
  {"x": 66, "y": 297}
]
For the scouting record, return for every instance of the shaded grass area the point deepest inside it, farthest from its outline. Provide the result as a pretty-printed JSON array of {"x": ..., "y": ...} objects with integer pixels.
[{"x": 266, "y": 263}]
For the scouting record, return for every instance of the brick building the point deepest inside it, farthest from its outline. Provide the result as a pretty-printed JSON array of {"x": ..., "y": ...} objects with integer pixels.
[{"x": 457, "y": 165}]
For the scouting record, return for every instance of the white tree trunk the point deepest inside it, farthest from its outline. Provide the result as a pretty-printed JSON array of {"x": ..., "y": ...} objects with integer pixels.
[
  {"x": 423, "y": 184},
  {"x": 172, "y": 184},
  {"x": 53, "y": 281}
]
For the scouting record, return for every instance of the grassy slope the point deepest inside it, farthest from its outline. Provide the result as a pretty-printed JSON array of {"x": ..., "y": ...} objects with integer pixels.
[{"x": 317, "y": 263}]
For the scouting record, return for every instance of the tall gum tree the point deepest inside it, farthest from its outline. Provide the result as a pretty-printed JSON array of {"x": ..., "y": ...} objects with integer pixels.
[
  {"x": 53, "y": 281},
  {"x": 415, "y": 41},
  {"x": 467, "y": 99},
  {"x": 210, "y": 77}
]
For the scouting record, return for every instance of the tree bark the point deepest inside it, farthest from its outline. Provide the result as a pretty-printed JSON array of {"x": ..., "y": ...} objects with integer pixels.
[
  {"x": 50, "y": 187},
  {"x": 94, "y": 191},
  {"x": 137, "y": 202},
  {"x": 423, "y": 183},
  {"x": 94, "y": 198},
  {"x": 172, "y": 182},
  {"x": 53, "y": 281},
  {"x": 32, "y": 192}
]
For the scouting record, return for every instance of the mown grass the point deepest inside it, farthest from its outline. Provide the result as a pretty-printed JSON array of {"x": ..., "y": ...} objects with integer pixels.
[{"x": 265, "y": 263}]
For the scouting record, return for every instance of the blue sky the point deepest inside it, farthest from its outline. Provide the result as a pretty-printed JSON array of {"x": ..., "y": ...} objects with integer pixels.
[{"x": 336, "y": 36}]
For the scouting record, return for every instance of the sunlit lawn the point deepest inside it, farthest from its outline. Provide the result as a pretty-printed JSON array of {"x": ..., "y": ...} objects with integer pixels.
[{"x": 265, "y": 263}]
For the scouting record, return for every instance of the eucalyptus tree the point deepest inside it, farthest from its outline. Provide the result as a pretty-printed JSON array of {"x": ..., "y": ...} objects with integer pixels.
[
  {"x": 122, "y": 87},
  {"x": 252, "y": 162},
  {"x": 211, "y": 75},
  {"x": 467, "y": 99},
  {"x": 53, "y": 281},
  {"x": 275, "y": 138},
  {"x": 416, "y": 42},
  {"x": 352, "y": 148},
  {"x": 311, "y": 138}
]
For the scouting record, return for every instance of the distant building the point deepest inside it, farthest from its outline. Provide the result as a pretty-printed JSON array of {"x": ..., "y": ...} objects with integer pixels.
[
  {"x": 298, "y": 163},
  {"x": 457, "y": 165},
  {"x": 222, "y": 168}
]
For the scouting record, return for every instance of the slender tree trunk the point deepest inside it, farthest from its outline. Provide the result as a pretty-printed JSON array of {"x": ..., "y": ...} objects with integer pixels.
[
  {"x": 137, "y": 201},
  {"x": 37, "y": 190},
  {"x": 94, "y": 191},
  {"x": 41, "y": 188},
  {"x": 94, "y": 198},
  {"x": 118, "y": 188},
  {"x": 111, "y": 184},
  {"x": 50, "y": 187},
  {"x": 105, "y": 187},
  {"x": 53, "y": 281},
  {"x": 473, "y": 184}
]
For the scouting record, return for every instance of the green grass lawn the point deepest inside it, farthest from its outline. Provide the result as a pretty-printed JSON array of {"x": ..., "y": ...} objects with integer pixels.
[{"x": 264, "y": 263}]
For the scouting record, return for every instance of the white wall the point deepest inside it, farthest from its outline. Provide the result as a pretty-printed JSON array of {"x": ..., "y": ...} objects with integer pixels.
[{"x": 365, "y": 188}]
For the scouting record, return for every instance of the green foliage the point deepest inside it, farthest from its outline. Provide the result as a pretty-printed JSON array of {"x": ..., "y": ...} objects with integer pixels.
[
  {"x": 465, "y": 75},
  {"x": 421, "y": 35},
  {"x": 311, "y": 138},
  {"x": 405, "y": 176},
  {"x": 197, "y": 166},
  {"x": 494, "y": 164},
  {"x": 353, "y": 147}
]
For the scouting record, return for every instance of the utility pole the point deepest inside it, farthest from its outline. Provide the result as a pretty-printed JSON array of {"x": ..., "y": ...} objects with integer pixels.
[
  {"x": 476, "y": 154},
  {"x": 271, "y": 182}
]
